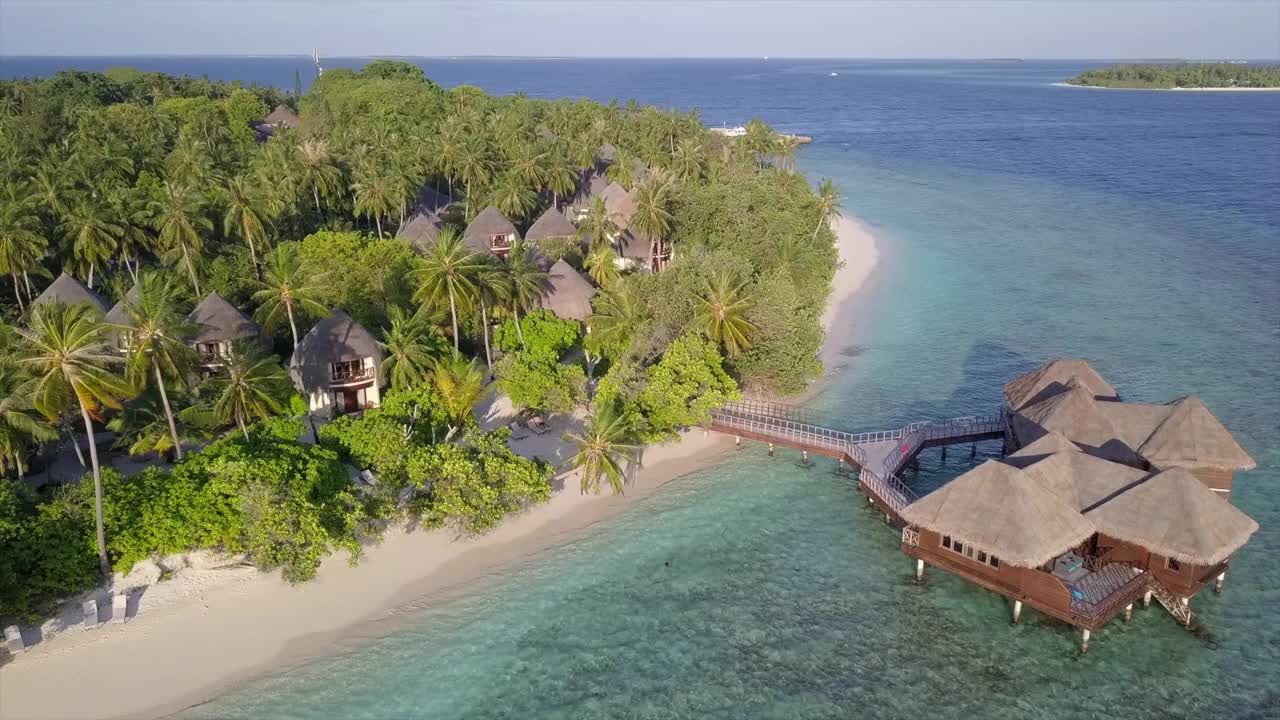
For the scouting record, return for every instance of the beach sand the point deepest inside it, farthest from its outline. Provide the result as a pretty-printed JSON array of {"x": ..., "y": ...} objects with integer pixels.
[{"x": 210, "y": 628}]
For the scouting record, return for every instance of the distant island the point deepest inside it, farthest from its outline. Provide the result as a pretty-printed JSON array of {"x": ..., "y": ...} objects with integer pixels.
[{"x": 1190, "y": 76}]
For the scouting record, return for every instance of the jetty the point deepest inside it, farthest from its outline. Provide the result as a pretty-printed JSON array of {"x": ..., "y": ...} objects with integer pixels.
[{"x": 1094, "y": 504}]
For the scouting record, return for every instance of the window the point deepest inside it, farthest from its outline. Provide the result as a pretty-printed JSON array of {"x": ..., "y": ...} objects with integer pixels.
[
  {"x": 1172, "y": 564},
  {"x": 995, "y": 561},
  {"x": 946, "y": 541},
  {"x": 982, "y": 556},
  {"x": 958, "y": 547},
  {"x": 970, "y": 552}
]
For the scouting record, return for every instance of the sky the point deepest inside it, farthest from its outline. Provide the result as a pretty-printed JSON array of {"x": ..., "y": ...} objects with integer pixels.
[{"x": 1093, "y": 29}]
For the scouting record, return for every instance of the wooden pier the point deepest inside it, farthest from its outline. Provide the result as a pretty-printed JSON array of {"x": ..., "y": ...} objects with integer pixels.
[{"x": 878, "y": 456}]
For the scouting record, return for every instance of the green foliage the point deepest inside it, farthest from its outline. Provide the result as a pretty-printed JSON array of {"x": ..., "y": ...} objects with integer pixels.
[
  {"x": 46, "y": 550},
  {"x": 680, "y": 390},
  {"x": 366, "y": 275},
  {"x": 546, "y": 337},
  {"x": 474, "y": 484},
  {"x": 1181, "y": 75},
  {"x": 533, "y": 383},
  {"x": 381, "y": 438}
]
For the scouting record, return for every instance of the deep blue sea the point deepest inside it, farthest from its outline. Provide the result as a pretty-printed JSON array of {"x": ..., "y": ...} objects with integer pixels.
[{"x": 1017, "y": 220}]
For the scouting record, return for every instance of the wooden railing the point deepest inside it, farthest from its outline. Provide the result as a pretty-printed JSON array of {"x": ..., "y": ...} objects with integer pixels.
[
  {"x": 1099, "y": 610},
  {"x": 910, "y": 535}
]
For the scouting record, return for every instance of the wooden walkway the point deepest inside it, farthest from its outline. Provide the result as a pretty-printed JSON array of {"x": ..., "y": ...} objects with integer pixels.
[{"x": 879, "y": 456}]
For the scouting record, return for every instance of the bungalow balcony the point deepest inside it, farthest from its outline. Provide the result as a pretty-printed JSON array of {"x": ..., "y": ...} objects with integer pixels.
[
  {"x": 211, "y": 353},
  {"x": 352, "y": 373},
  {"x": 500, "y": 243}
]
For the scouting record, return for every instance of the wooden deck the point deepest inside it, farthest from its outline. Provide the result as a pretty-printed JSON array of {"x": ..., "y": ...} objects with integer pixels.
[{"x": 879, "y": 456}]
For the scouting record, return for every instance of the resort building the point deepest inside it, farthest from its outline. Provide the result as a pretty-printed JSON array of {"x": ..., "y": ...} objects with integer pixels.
[
  {"x": 70, "y": 291},
  {"x": 218, "y": 324},
  {"x": 491, "y": 232},
  {"x": 421, "y": 231},
  {"x": 336, "y": 367},
  {"x": 591, "y": 182},
  {"x": 119, "y": 315},
  {"x": 553, "y": 226},
  {"x": 621, "y": 205},
  {"x": 283, "y": 117},
  {"x": 569, "y": 294}
]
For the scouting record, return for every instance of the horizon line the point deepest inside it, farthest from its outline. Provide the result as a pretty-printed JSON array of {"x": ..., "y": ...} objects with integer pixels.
[{"x": 974, "y": 58}]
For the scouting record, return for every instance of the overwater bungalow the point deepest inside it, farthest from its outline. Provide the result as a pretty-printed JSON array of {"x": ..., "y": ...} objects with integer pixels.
[
  {"x": 569, "y": 294},
  {"x": 336, "y": 367},
  {"x": 217, "y": 324},
  {"x": 491, "y": 232},
  {"x": 70, "y": 291}
]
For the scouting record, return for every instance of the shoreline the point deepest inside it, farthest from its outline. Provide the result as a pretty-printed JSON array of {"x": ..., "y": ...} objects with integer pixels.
[
  {"x": 207, "y": 631},
  {"x": 1174, "y": 89}
]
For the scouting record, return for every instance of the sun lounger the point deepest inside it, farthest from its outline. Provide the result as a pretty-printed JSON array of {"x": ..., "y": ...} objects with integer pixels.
[
  {"x": 13, "y": 640},
  {"x": 536, "y": 425},
  {"x": 90, "y": 608},
  {"x": 119, "y": 607},
  {"x": 517, "y": 432}
]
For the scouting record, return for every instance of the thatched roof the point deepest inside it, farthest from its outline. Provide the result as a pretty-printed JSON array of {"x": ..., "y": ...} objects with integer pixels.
[
  {"x": 119, "y": 313},
  {"x": 1082, "y": 480},
  {"x": 1191, "y": 436},
  {"x": 999, "y": 509},
  {"x": 431, "y": 200},
  {"x": 591, "y": 182},
  {"x": 570, "y": 294},
  {"x": 1075, "y": 414},
  {"x": 336, "y": 338},
  {"x": 1173, "y": 514},
  {"x": 1134, "y": 421},
  {"x": 217, "y": 320},
  {"x": 283, "y": 116},
  {"x": 421, "y": 231},
  {"x": 70, "y": 291},
  {"x": 606, "y": 154},
  {"x": 1046, "y": 446},
  {"x": 631, "y": 247},
  {"x": 488, "y": 223},
  {"x": 1052, "y": 378},
  {"x": 550, "y": 224},
  {"x": 620, "y": 203}
]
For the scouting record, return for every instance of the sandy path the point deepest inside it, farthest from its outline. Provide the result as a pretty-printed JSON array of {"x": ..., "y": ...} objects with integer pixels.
[{"x": 207, "y": 630}]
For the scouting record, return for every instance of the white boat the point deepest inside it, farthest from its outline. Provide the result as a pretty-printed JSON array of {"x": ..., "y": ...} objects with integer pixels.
[{"x": 834, "y": 74}]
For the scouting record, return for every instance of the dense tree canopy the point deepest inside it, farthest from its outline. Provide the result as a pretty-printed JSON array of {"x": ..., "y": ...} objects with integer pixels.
[{"x": 1181, "y": 75}]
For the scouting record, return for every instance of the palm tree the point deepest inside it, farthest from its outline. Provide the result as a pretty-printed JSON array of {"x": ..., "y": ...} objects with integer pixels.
[
  {"x": 559, "y": 177},
  {"x": 243, "y": 216},
  {"x": 318, "y": 172},
  {"x": 21, "y": 244},
  {"x": 143, "y": 426},
  {"x": 460, "y": 384},
  {"x": 526, "y": 282},
  {"x": 412, "y": 346},
  {"x": 67, "y": 351},
  {"x": 93, "y": 235},
  {"x": 373, "y": 195},
  {"x": 19, "y": 425},
  {"x": 473, "y": 166},
  {"x": 623, "y": 169},
  {"x": 651, "y": 219},
  {"x": 721, "y": 312},
  {"x": 760, "y": 140},
  {"x": 617, "y": 315},
  {"x": 288, "y": 290},
  {"x": 688, "y": 161},
  {"x": 178, "y": 217},
  {"x": 601, "y": 228},
  {"x": 250, "y": 385},
  {"x": 158, "y": 332},
  {"x": 513, "y": 197},
  {"x": 449, "y": 269},
  {"x": 491, "y": 288},
  {"x": 604, "y": 445},
  {"x": 828, "y": 204},
  {"x": 602, "y": 265}
]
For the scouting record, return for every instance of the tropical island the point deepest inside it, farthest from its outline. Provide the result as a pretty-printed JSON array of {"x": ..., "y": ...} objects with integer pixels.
[
  {"x": 1188, "y": 76},
  {"x": 246, "y": 328}
]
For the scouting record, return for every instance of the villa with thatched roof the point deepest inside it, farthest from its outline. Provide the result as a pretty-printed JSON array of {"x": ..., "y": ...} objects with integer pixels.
[
  {"x": 591, "y": 182},
  {"x": 421, "y": 231},
  {"x": 491, "y": 232},
  {"x": 217, "y": 324},
  {"x": 569, "y": 295},
  {"x": 282, "y": 116},
  {"x": 620, "y": 203},
  {"x": 119, "y": 315},
  {"x": 70, "y": 291},
  {"x": 1101, "y": 503},
  {"x": 336, "y": 367}
]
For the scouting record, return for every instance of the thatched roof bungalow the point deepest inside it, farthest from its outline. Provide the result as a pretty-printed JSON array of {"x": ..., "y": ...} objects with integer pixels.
[
  {"x": 1054, "y": 377},
  {"x": 1192, "y": 436},
  {"x": 282, "y": 116},
  {"x": 550, "y": 224},
  {"x": 491, "y": 232},
  {"x": 1074, "y": 413},
  {"x": 570, "y": 294},
  {"x": 421, "y": 231},
  {"x": 70, "y": 291},
  {"x": 336, "y": 366},
  {"x": 217, "y": 324},
  {"x": 119, "y": 315},
  {"x": 620, "y": 203}
]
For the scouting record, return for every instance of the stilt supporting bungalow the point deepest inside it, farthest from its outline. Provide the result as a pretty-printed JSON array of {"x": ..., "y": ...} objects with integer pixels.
[
  {"x": 1084, "y": 642},
  {"x": 1146, "y": 599},
  {"x": 1217, "y": 585},
  {"x": 919, "y": 570},
  {"x": 804, "y": 458},
  {"x": 1017, "y": 611},
  {"x": 1128, "y": 612}
]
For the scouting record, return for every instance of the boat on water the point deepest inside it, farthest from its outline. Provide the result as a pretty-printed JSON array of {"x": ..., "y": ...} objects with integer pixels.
[
  {"x": 834, "y": 74},
  {"x": 739, "y": 131}
]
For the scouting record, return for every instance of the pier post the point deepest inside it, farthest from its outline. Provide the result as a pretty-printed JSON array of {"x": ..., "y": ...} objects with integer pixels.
[
  {"x": 919, "y": 570},
  {"x": 944, "y": 453},
  {"x": 1084, "y": 642},
  {"x": 840, "y": 466},
  {"x": 1017, "y": 611},
  {"x": 737, "y": 441},
  {"x": 973, "y": 450},
  {"x": 1217, "y": 585},
  {"x": 804, "y": 458},
  {"x": 1146, "y": 599},
  {"x": 770, "y": 449},
  {"x": 1128, "y": 612}
]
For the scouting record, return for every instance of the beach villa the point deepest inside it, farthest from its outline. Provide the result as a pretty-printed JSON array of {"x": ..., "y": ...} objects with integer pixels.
[
  {"x": 217, "y": 325},
  {"x": 283, "y": 117},
  {"x": 336, "y": 367},
  {"x": 551, "y": 226},
  {"x": 569, "y": 294},
  {"x": 421, "y": 231},
  {"x": 491, "y": 232}
]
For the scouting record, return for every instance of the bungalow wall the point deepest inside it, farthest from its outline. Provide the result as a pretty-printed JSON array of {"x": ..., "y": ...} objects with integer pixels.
[
  {"x": 1181, "y": 578},
  {"x": 1217, "y": 480}
]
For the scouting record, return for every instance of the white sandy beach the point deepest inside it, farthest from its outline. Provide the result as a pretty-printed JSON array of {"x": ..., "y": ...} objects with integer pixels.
[{"x": 209, "y": 628}]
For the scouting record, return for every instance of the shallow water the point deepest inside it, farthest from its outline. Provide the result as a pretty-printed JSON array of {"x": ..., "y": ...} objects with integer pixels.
[{"x": 1017, "y": 221}]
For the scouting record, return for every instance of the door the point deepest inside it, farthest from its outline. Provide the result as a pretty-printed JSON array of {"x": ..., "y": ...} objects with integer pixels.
[{"x": 349, "y": 402}]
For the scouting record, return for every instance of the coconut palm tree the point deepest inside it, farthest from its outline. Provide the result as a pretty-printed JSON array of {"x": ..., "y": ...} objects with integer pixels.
[
  {"x": 372, "y": 192},
  {"x": 688, "y": 162},
  {"x": 143, "y": 426},
  {"x": 67, "y": 351},
  {"x": 157, "y": 341},
  {"x": 602, "y": 265},
  {"x": 90, "y": 228},
  {"x": 491, "y": 289},
  {"x": 559, "y": 177},
  {"x": 513, "y": 197},
  {"x": 651, "y": 219},
  {"x": 449, "y": 269},
  {"x": 526, "y": 282},
  {"x": 412, "y": 346},
  {"x": 318, "y": 171},
  {"x": 721, "y": 312},
  {"x": 20, "y": 426},
  {"x": 473, "y": 166},
  {"x": 828, "y": 204},
  {"x": 460, "y": 384},
  {"x": 601, "y": 228},
  {"x": 605, "y": 450},
  {"x": 287, "y": 290},
  {"x": 249, "y": 385},
  {"x": 21, "y": 243},
  {"x": 243, "y": 216},
  {"x": 623, "y": 169},
  {"x": 617, "y": 315},
  {"x": 178, "y": 216}
]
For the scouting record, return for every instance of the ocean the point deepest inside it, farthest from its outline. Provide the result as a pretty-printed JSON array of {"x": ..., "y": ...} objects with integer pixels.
[{"x": 1017, "y": 221}]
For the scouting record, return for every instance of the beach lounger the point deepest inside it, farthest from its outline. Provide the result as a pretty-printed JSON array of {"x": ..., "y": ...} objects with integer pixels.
[
  {"x": 517, "y": 432},
  {"x": 13, "y": 640},
  {"x": 537, "y": 425},
  {"x": 119, "y": 607},
  {"x": 90, "y": 608}
]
